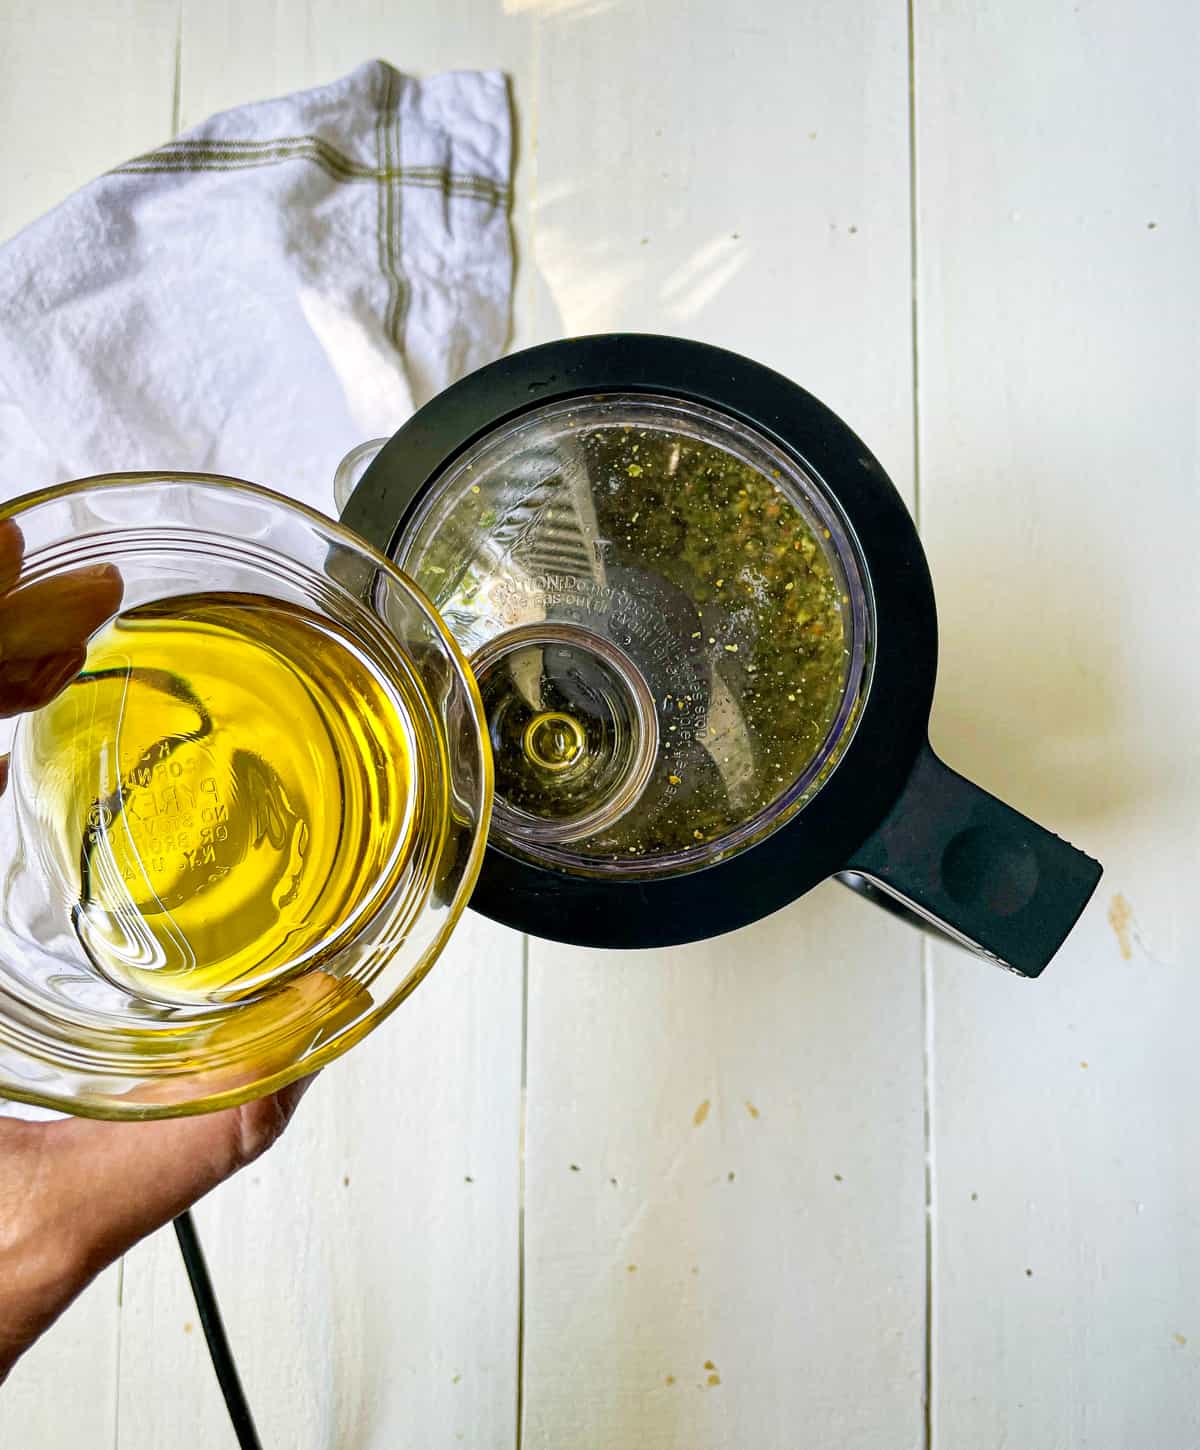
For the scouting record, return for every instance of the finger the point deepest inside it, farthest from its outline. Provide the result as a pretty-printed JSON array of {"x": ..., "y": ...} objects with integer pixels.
[
  {"x": 30, "y": 684},
  {"x": 3, "y": 772},
  {"x": 12, "y": 549},
  {"x": 53, "y": 616}
]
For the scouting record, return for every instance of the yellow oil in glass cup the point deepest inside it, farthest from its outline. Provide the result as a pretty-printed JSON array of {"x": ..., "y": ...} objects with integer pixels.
[{"x": 248, "y": 795}]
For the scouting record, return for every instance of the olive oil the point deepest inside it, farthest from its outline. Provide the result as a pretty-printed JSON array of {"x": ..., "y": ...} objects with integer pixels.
[{"x": 225, "y": 795}]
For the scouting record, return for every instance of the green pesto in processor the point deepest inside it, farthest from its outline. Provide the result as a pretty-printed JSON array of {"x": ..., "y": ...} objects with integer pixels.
[{"x": 769, "y": 620}]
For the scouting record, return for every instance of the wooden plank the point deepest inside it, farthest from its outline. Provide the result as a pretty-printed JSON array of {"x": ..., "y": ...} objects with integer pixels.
[
  {"x": 382, "y": 1310},
  {"x": 741, "y": 178},
  {"x": 81, "y": 88},
  {"x": 1059, "y": 303},
  {"x": 366, "y": 1278},
  {"x": 772, "y": 1238}
]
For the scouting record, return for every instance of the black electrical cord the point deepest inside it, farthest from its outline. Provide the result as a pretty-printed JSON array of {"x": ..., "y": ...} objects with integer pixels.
[{"x": 214, "y": 1333}]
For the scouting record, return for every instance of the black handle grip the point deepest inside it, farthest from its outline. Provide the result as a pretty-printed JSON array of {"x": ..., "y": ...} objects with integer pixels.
[{"x": 976, "y": 869}]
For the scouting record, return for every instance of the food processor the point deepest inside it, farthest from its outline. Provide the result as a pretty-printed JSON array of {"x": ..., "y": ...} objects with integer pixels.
[
  {"x": 659, "y": 617},
  {"x": 704, "y": 633}
]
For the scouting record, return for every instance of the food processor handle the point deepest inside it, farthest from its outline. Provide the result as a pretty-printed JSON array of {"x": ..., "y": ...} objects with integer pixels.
[
  {"x": 974, "y": 869},
  {"x": 348, "y": 472}
]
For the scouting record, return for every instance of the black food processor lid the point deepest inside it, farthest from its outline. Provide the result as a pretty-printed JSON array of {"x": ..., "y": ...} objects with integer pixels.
[
  {"x": 704, "y": 633},
  {"x": 667, "y": 565}
]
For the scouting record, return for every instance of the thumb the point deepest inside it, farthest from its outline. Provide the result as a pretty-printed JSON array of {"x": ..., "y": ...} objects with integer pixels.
[
  {"x": 76, "y": 1194},
  {"x": 117, "y": 1182},
  {"x": 106, "y": 1185}
]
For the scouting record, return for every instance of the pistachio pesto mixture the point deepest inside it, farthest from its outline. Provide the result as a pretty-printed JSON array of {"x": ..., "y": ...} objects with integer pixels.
[{"x": 767, "y": 617}]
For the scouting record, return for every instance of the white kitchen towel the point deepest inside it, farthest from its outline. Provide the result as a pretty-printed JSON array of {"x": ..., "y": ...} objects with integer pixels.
[{"x": 259, "y": 295}]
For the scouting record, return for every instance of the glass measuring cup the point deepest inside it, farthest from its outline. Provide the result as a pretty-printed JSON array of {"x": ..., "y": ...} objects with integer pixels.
[{"x": 150, "y": 1039}]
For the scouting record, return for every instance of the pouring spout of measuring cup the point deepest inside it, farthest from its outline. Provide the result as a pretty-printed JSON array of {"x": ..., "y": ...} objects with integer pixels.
[{"x": 974, "y": 869}]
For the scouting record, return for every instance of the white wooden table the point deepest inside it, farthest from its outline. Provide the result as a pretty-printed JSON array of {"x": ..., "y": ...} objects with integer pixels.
[{"x": 822, "y": 1184}]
